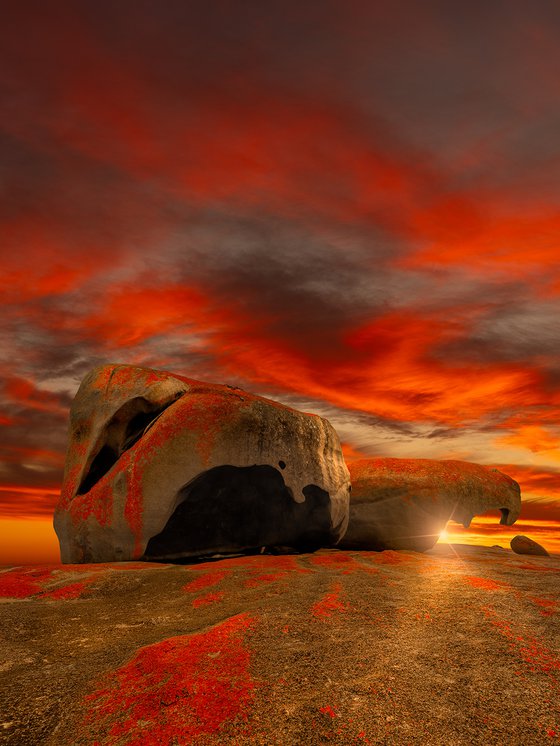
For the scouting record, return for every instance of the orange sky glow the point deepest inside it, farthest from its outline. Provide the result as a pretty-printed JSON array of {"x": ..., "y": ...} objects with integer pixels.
[{"x": 351, "y": 214}]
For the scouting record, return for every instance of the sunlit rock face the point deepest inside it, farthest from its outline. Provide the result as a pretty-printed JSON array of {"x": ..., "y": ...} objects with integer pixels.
[
  {"x": 163, "y": 467},
  {"x": 406, "y": 503},
  {"x": 524, "y": 545}
]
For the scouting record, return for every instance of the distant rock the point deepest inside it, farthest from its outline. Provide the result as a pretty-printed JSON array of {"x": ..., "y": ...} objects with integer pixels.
[
  {"x": 163, "y": 467},
  {"x": 406, "y": 503},
  {"x": 524, "y": 545},
  {"x": 497, "y": 546}
]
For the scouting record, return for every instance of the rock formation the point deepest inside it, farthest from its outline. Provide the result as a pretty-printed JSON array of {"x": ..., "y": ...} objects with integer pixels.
[
  {"x": 160, "y": 466},
  {"x": 524, "y": 545},
  {"x": 406, "y": 503}
]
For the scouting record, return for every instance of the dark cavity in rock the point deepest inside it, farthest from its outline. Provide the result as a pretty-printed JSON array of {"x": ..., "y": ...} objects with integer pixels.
[
  {"x": 123, "y": 430},
  {"x": 243, "y": 506}
]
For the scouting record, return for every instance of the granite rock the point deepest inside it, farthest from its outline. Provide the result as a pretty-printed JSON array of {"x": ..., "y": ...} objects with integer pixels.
[
  {"x": 524, "y": 545},
  {"x": 406, "y": 503},
  {"x": 161, "y": 466}
]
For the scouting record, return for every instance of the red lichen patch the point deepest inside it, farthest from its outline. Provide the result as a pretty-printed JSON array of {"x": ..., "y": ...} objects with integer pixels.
[
  {"x": 257, "y": 562},
  {"x": 208, "y": 599},
  {"x": 530, "y": 650},
  {"x": 258, "y": 565},
  {"x": 485, "y": 583},
  {"x": 204, "y": 411},
  {"x": 328, "y": 710},
  {"x": 538, "y": 568},
  {"x": 69, "y": 486},
  {"x": 74, "y": 590},
  {"x": 175, "y": 691},
  {"x": 548, "y": 605},
  {"x": 23, "y": 583},
  {"x": 336, "y": 561},
  {"x": 331, "y": 560},
  {"x": 205, "y": 580},
  {"x": 134, "y": 505},
  {"x": 31, "y": 583},
  {"x": 364, "y": 567},
  {"x": 539, "y": 656},
  {"x": 329, "y": 603},
  {"x": 98, "y": 502},
  {"x": 256, "y": 580}
]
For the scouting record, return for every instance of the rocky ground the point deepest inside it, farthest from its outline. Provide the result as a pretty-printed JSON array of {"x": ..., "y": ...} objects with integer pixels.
[{"x": 456, "y": 646}]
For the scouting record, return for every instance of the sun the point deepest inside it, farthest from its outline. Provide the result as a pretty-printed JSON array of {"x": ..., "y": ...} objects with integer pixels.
[{"x": 443, "y": 535}]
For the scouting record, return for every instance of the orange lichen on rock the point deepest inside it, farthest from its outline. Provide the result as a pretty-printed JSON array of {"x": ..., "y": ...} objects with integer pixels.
[
  {"x": 207, "y": 599},
  {"x": 22, "y": 583},
  {"x": 549, "y": 606},
  {"x": 258, "y": 563},
  {"x": 340, "y": 561},
  {"x": 180, "y": 689},
  {"x": 330, "y": 603},
  {"x": 533, "y": 652},
  {"x": 264, "y": 578},
  {"x": 485, "y": 583},
  {"x": 205, "y": 580},
  {"x": 19, "y": 583},
  {"x": 74, "y": 590}
]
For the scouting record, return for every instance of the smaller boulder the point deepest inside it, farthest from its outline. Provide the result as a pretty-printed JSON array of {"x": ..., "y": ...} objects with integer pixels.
[
  {"x": 399, "y": 503},
  {"x": 525, "y": 545}
]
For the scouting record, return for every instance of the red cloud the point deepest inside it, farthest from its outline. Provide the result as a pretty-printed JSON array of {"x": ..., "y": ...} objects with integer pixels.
[
  {"x": 385, "y": 367},
  {"x": 27, "y": 502},
  {"x": 534, "y": 481},
  {"x": 24, "y": 393},
  {"x": 130, "y": 315}
]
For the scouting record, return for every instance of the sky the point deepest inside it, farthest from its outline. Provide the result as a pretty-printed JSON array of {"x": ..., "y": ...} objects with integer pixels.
[{"x": 350, "y": 207}]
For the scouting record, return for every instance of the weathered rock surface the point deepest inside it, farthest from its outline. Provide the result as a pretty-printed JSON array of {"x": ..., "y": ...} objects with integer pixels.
[
  {"x": 459, "y": 645},
  {"x": 406, "y": 503},
  {"x": 524, "y": 545},
  {"x": 160, "y": 466}
]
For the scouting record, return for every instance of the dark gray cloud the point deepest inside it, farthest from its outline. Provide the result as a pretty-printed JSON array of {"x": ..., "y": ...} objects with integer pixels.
[{"x": 514, "y": 331}]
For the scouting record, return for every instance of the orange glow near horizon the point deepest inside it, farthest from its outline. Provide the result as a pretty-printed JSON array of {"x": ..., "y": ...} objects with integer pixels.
[
  {"x": 30, "y": 541},
  {"x": 33, "y": 541},
  {"x": 487, "y": 531}
]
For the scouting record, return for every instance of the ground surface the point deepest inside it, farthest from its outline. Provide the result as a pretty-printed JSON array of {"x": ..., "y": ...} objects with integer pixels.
[{"x": 456, "y": 646}]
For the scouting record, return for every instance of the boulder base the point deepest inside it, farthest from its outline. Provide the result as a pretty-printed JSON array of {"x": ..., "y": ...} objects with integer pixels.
[
  {"x": 163, "y": 467},
  {"x": 406, "y": 503}
]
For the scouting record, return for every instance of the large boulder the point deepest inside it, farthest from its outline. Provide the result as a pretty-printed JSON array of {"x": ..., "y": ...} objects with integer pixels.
[
  {"x": 524, "y": 545},
  {"x": 163, "y": 467},
  {"x": 406, "y": 503}
]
